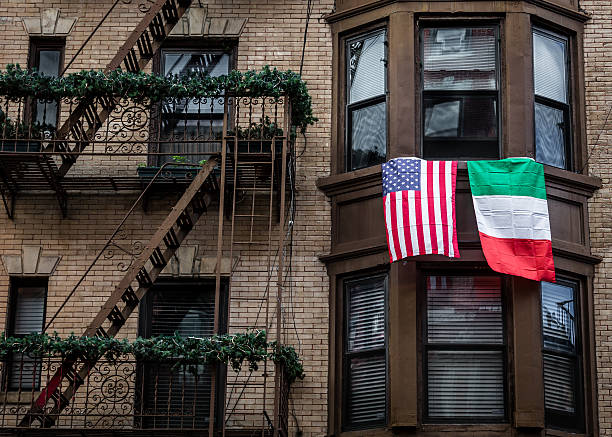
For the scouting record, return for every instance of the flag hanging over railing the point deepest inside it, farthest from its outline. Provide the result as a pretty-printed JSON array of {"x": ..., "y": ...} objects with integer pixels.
[
  {"x": 512, "y": 214},
  {"x": 419, "y": 205}
]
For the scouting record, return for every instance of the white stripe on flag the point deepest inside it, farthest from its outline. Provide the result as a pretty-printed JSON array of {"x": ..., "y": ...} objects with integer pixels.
[
  {"x": 399, "y": 212},
  {"x": 390, "y": 226},
  {"x": 521, "y": 217},
  {"x": 425, "y": 207},
  {"x": 448, "y": 178},
  {"x": 438, "y": 166},
  {"x": 412, "y": 221}
]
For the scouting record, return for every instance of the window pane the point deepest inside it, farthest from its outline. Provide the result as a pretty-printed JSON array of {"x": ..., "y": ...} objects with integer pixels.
[
  {"x": 549, "y": 66},
  {"x": 550, "y": 135},
  {"x": 465, "y": 384},
  {"x": 185, "y": 63},
  {"x": 48, "y": 64},
  {"x": 459, "y": 58},
  {"x": 29, "y": 310},
  {"x": 175, "y": 397},
  {"x": 462, "y": 116},
  {"x": 559, "y": 388},
  {"x": 367, "y": 396},
  {"x": 558, "y": 317},
  {"x": 368, "y": 136},
  {"x": 366, "y": 62},
  {"x": 366, "y": 314},
  {"x": 464, "y": 309}
]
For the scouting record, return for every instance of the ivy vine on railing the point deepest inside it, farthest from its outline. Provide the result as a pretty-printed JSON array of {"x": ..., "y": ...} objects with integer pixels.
[
  {"x": 16, "y": 82},
  {"x": 231, "y": 349}
]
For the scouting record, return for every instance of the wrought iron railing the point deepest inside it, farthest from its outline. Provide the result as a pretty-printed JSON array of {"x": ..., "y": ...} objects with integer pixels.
[
  {"x": 192, "y": 128},
  {"x": 124, "y": 394}
]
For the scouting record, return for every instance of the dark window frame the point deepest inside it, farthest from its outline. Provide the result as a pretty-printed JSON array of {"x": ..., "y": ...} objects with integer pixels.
[
  {"x": 425, "y": 347},
  {"x": 15, "y": 284},
  {"x": 182, "y": 45},
  {"x": 36, "y": 46},
  {"x": 346, "y": 356},
  {"x": 562, "y": 420},
  {"x": 145, "y": 314},
  {"x": 421, "y": 25},
  {"x": 349, "y": 108},
  {"x": 566, "y": 108}
]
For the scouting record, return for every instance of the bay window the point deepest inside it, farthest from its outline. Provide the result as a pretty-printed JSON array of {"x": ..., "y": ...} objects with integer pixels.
[
  {"x": 366, "y": 100},
  {"x": 464, "y": 349},
  {"x": 460, "y": 117},
  {"x": 552, "y": 110}
]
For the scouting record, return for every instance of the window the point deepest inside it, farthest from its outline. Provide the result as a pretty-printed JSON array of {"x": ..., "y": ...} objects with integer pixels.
[
  {"x": 365, "y": 351},
  {"x": 26, "y": 315},
  {"x": 176, "y": 397},
  {"x": 47, "y": 57},
  {"x": 366, "y": 100},
  {"x": 460, "y": 92},
  {"x": 464, "y": 349},
  {"x": 561, "y": 352},
  {"x": 551, "y": 85},
  {"x": 188, "y": 125}
]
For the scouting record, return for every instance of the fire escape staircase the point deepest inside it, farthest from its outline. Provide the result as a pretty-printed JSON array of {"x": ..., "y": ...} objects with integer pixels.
[
  {"x": 88, "y": 117},
  {"x": 137, "y": 281}
]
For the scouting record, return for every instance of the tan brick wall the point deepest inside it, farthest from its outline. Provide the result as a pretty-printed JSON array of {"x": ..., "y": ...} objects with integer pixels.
[
  {"x": 598, "y": 78},
  {"x": 272, "y": 35}
]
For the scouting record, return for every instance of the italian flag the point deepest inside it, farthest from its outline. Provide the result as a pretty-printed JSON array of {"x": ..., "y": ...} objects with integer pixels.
[{"x": 512, "y": 215}]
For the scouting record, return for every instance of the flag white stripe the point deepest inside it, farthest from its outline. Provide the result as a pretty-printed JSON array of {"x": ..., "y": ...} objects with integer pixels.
[
  {"x": 399, "y": 217},
  {"x": 390, "y": 226},
  {"x": 437, "y": 166},
  {"x": 412, "y": 222},
  {"x": 449, "y": 208},
  {"x": 425, "y": 207},
  {"x": 519, "y": 217}
]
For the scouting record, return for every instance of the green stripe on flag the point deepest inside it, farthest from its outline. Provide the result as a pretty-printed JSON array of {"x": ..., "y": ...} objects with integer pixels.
[{"x": 508, "y": 177}]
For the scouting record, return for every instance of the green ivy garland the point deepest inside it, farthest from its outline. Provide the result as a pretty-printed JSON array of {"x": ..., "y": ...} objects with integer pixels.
[
  {"x": 233, "y": 350},
  {"x": 16, "y": 82}
]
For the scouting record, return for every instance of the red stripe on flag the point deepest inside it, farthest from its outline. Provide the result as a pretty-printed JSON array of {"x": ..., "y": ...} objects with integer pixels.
[
  {"x": 394, "y": 226},
  {"x": 454, "y": 183},
  {"x": 531, "y": 259},
  {"x": 430, "y": 207},
  {"x": 419, "y": 222},
  {"x": 443, "y": 211},
  {"x": 407, "y": 234},
  {"x": 387, "y": 228}
]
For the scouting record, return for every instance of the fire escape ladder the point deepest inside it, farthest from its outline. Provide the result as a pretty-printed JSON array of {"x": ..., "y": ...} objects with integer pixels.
[
  {"x": 140, "y": 47},
  {"x": 129, "y": 292}
]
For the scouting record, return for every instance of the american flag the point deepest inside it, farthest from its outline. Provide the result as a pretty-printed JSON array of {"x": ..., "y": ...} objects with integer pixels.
[{"x": 419, "y": 199}]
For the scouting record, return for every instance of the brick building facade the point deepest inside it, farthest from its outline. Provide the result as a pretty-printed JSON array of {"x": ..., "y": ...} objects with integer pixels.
[{"x": 337, "y": 232}]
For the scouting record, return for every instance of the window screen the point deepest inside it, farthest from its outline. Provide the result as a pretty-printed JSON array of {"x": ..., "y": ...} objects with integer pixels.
[
  {"x": 366, "y": 106},
  {"x": 464, "y": 349},
  {"x": 460, "y": 92},
  {"x": 365, "y": 352},
  {"x": 27, "y": 316},
  {"x": 177, "y": 397},
  {"x": 560, "y": 339},
  {"x": 552, "y": 111}
]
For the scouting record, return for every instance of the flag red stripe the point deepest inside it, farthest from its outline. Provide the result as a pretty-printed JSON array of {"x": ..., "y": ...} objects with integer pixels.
[
  {"x": 419, "y": 221},
  {"x": 388, "y": 230},
  {"x": 531, "y": 259},
  {"x": 407, "y": 235},
  {"x": 444, "y": 213},
  {"x": 454, "y": 184},
  {"x": 430, "y": 207},
  {"x": 396, "y": 246}
]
